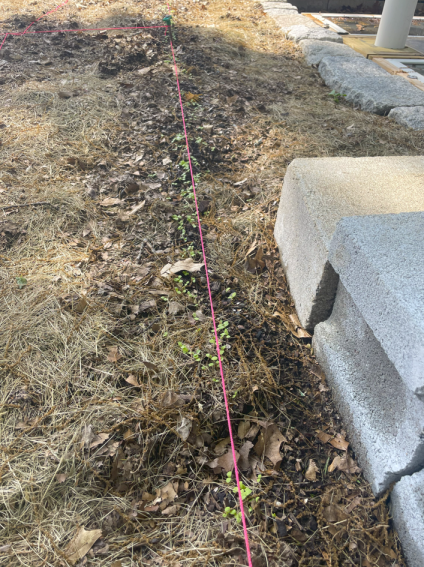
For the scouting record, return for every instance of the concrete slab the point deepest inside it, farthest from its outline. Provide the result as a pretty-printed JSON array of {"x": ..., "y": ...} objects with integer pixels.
[
  {"x": 407, "y": 506},
  {"x": 314, "y": 50},
  {"x": 367, "y": 85},
  {"x": 380, "y": 261},
  {"x": 383, "y": 418},
  {"x": 317, "y": 193},
  {"x": 298, "y": 33},
  {"x": 410, "y": 116}
]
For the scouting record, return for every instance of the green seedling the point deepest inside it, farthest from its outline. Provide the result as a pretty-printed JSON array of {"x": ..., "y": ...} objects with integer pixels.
[
  {"x": 337, "y": 97},
  {"x": 21, "y": 281}
]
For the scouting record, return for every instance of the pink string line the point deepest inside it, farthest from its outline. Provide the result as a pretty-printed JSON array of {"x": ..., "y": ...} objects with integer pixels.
[
  {"x": 227, "y": 407},
  {"x": 3, "y": 42},
  {"x": 88, "y": 29},
  {"x": 46, "y": 14}
]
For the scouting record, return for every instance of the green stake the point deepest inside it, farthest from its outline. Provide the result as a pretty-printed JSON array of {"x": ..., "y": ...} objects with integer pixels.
[{"x": 167, "y": 20}]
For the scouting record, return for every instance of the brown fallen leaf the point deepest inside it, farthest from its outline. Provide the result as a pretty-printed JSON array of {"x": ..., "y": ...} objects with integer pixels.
[
  {"x": 268, "y": 444},
  {"x": 243, "y": 462},
  {"x": 111, "y": 202},
  {"x": 345, "y": 464},
  {"x": 132, "y": 188},
  {"x": 114, "y": 354},
  {"x": 64, "y": 94},
  {"x": 174, "y": 308},
  {"x": 133, "y": 381},
  {"x": 300, "y": 331},
  {"x": 171, "y": 400},
  {"x": 243, "y": 429},
  {"x": 137, "y": 208},
  {"x": 355, "y": 502},
  {"x": 323, "y": 437},
  {"x": 221, "y": 446},
  {"x": 225, "y": 463},
  {"x": 144, "y": 71},
  {"x": 169, "y": 492},
  {"x": 184, "y": 428},
  {"x": 187, "y": 265},
  {"x": 339, "y": 442},
  {"x": 170, "y": 510},
  {"x": 61, "y": 477},
  {"x": 190, "y": 97},
  {"x": 81, "y": 544},
  {"x": 255, "y": 265},
  {"x": 311, "y": 473},
  {"x": 81, "y": 304}
]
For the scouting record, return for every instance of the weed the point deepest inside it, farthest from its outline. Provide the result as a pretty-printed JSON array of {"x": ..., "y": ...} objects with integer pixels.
[{"x": 337, "y": 97}]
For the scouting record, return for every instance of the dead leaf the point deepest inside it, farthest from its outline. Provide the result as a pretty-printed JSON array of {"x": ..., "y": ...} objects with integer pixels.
[
  {"x": 81, "y": 544},
  {"x": 221, "y": 446},
  {"x": 137, "y": 208},
  {"x": 81, "y": 304},
  {"x": 190, "y": 97},
  {"x": 132, "y": 188},
  {"x": 243, "y": 429},
  {"x": 170, "y": 510},
  {"x": 116, "y": 564},
  {"x": 5, "y": 548},
  {"x": 151, "y": 366},
  {"x": 111, "y": 202},
  {"x": 225, "y": 463},
  {"x": 323, "y": 437},
  {"x": 174, "y": 308},
  {"x": 147, "y": 305},
  {"x": 133, "y": 381},
  {"x": 168, "y": 492},
  {"x": 182, "y": 265},
  {"x": 255, "y": 265},
  {"x": 61, "y": 477},
  {"x": 300, "y": 331},
  {"x": 184, "y": 428},
  {"x": 345, "y": 464},
  {"x": 339, "y": 442},
  {"x": 243, "y": 461},
  {"x": 171, "y": 400},
  {"x": 144, "y": 71},
  {"x": 113, "y": 355},
  {"x": 98, "y": 440},
  {"x": 64, "y": 94},
  {"x": 268, "y": 444},
  {"x": 355, "y": 502},
  {"x": 311, "y": 473}
]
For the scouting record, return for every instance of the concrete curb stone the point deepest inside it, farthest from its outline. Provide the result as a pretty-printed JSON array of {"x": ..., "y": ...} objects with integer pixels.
[
  {"x": 383, "y": 418},
  {"x": 301, "y": 32},
  {"x": 407, "y": 504},
  {"x": 410, "y": 116},
  {"x": 367, "y": 85},
  {"x": 317, "y": 193},
  {"x": 380, "y": 261},
  {"x": 315, "y": 50}
]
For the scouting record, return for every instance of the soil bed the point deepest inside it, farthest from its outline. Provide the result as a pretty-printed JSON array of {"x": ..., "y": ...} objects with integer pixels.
[{"x": 112, "y": 409}]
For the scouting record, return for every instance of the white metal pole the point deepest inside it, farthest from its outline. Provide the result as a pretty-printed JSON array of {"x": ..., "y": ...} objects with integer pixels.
[{"x": 395, "y": 23}]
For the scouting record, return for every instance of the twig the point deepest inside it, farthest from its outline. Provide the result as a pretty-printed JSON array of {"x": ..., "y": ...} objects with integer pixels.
[{"x": 39, "y": 204}]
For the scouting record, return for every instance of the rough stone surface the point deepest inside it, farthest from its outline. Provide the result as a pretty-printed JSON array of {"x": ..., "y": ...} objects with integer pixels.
[
  {"x": 380, "y": 261},
  {"x": 298, "y": 33},
  {"x": 317, "y": 193},
  {"x": 383, "y": 418},
  {"x": 288, "y": 21},
  {"x": 281, "y": 12},
  {"x": 408, "y": 515},
  {"x": 314, "y": 50},
  {"x": 367, "y": 85},
  {"x": 411, "y": 116}
]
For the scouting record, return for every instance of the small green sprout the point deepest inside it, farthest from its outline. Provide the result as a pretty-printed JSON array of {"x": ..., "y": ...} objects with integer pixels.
[{"x": 21, "y": 281}]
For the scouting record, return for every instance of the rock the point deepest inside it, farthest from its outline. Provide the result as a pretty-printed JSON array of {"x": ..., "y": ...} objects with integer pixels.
[
  {"x": 317, "y": 193},
  {"x": 407, "y": 503},
  {"x": 299, "y": 33},
  {"x": 380, "y": 261},
  {"x": 281, "y": 11},
  {"x": 411, "y": 116},
  {"x": 315, "y": 50},
  {"x": 367, "y": 85},
  {"x": 383, "y": 418},
  {"x": 288, "y": 21}
]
